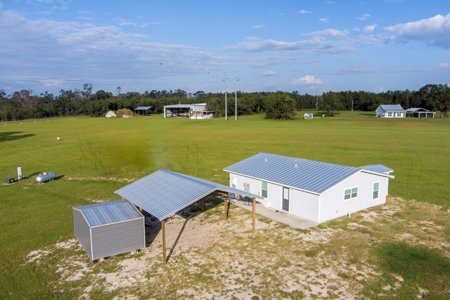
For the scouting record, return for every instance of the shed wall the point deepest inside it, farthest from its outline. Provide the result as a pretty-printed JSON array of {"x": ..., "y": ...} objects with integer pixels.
[
  {"x": 82, "y": 231},
  {"x": 333, "y": 204},
  {"x": 117, "y": 238}
]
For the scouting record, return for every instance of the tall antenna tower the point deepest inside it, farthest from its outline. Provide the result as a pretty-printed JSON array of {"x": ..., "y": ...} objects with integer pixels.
[{"x": 226, "y": 79}]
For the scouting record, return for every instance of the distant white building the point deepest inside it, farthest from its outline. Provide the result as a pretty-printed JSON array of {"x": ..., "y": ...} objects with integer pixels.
[
  {"x": 390, "y": 111},
  {"x": 193, "y": 111},
  {"x": 308, "y": 116},
  {"x": 311, "y": 190}
]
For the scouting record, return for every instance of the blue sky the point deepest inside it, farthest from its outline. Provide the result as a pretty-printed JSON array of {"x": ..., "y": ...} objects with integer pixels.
[{"x": 307, "y": 46}]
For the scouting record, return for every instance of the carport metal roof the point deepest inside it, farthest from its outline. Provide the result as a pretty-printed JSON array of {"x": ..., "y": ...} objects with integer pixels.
[{"x": 163, "y": 193}]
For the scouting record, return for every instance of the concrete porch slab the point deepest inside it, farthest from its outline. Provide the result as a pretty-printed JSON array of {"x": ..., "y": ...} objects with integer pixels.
[{"x": 278, "y": 216}]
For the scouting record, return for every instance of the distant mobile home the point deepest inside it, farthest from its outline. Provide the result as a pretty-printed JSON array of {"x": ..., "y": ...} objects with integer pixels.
[
  {"x": 311, "y": 190},
  {"x": 390, "y": 111}
]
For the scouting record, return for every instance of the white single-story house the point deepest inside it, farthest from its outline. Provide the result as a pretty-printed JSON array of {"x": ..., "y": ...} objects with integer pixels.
[
  {"x": 312, "y": 190},
  {"x": 417, "y": 112},
  {"x": 390, "y": 111},
  {"x": 193, "y": 111}
]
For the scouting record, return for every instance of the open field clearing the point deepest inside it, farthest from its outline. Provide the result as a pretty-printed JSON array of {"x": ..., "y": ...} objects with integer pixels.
[{"x": 400, "y": 249}]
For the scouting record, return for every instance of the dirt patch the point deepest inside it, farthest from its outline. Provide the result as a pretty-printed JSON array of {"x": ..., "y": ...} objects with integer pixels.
[{"x": 209, "y": 258}]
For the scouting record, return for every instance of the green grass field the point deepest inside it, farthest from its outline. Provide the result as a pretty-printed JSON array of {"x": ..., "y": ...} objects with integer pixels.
[{"x": 96, "y": 155}]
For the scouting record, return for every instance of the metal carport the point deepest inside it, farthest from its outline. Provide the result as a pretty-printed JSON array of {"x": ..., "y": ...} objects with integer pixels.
[{"x": 164, "y": 193}]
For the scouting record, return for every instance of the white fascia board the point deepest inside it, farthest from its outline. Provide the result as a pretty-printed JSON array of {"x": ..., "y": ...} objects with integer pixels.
[{"x": 379, "y": 174}]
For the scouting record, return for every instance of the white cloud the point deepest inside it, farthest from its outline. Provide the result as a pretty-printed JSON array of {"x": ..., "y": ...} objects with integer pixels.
[
  {"x": 268, "y": 73},
  {"x": 258, "y": 26},
  {"x": 302, "y": 12},
  {"x": 434, "y": 31},
  {"x": 369, "y": 28},
  {"x": 445, "y": 65},
  {"x": 52, "y": 82},
  {"x": 156, "y": 23},
  {"x": 255, "y": 45},
  {"x": 328, "y": 32},
  {"x": 378, "y": 89},
  {"x": 143, "y": 25},
  {"x": 308, "y": 79},
  {"x": 323, "y": 20},
  {"x": 329, "y": 2},
  {"x": 363, "y": 17}
]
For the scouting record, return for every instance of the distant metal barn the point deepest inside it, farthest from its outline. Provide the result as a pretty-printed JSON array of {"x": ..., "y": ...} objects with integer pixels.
[{"x": 109, "y": 228}]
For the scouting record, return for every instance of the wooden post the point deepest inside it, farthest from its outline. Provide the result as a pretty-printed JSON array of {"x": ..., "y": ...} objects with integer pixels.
[
  {"x": 225, "y": 207},
  {"x": 253, "y": 215},
  {"x": 203, "y": 204},
  {"x": 163, "y": 225}
]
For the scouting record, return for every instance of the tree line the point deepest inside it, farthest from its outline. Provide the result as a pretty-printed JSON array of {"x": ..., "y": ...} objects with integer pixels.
[{"x": 25, "y": 104}]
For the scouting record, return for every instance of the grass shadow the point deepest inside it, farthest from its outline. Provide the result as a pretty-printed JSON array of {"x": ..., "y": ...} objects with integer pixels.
[
  {"x": 419, "y": 266},
  {"x": 13, "y": 135}
]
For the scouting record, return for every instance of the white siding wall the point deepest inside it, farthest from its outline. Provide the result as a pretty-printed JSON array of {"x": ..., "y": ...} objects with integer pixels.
[
  {"x": 304, "y": 205},
  {"x": 333, "y": 204},
  {"x": 238, "y": 181},
  {"x": 275, "y": 194}
]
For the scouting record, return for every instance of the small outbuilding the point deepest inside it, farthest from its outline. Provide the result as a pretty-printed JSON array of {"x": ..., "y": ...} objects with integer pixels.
[
  {"x": 390, "y": 111},
  {"x": 312, "y": 190},
  {"x": 416, "y": 112},
  {"x": 109, "y": 228},
  {"x": 143, "y": 110},
  {"x": 308, "y": 116},
  {"x": 192, "y": 111}
]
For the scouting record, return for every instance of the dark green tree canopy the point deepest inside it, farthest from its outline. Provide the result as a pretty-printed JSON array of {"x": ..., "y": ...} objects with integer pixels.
[{"x": 280, "y": 106}]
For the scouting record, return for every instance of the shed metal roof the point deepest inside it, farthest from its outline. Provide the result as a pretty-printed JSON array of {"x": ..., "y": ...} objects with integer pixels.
[
  {"x": 303, "y": 174},
  {"x": 163, "y": 193},
  {"x": 392, "y": 107},
  {"x": 143, "y": 107},
  {"x": 109, "y": 212}
]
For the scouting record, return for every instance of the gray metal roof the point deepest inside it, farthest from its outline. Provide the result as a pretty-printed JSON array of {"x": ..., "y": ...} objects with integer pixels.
[
  {"x": 392, "y": 107},
  {"x": 298, "y": 173},
  {"x": 109, "y": 212},
  {"x": 417, "y": 109},
  {"x": 179, "y": 106},
  {"x": 163, "y": 193},
  {"x": 378, "y": 169},
  {"x": 143, "y": 107}
]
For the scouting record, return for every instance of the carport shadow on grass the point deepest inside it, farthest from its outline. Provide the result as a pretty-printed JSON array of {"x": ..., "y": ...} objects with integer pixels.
[{"x": 13, "y": 135}]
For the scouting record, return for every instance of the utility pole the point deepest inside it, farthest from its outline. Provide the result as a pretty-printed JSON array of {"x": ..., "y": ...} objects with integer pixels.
[
  {"x": 235, "y": 96},
  {"x": 225, "y": 79}
]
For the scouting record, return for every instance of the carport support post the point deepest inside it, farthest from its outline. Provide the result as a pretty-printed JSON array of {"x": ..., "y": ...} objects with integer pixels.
[
  {"x": 203, "y": 204},
  {"x": 253, "y": 215},
  {"x": 163, "y": 225},
  {"x": 225, "y": 204}
]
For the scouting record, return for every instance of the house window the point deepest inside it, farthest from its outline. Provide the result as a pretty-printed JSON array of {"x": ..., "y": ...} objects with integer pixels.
[
  {"x": 247, "y": 187},
  {"x": 389, "y": 114},
  {"x": 376, "y": 188},
  {"x": 399, "y": 114},
  {"x": 351, "y": 193},
  {"x": 264, "y": 189}
]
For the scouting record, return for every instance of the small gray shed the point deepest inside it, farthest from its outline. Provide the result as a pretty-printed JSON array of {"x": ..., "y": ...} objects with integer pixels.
[{"x": 109, "y": 228}]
